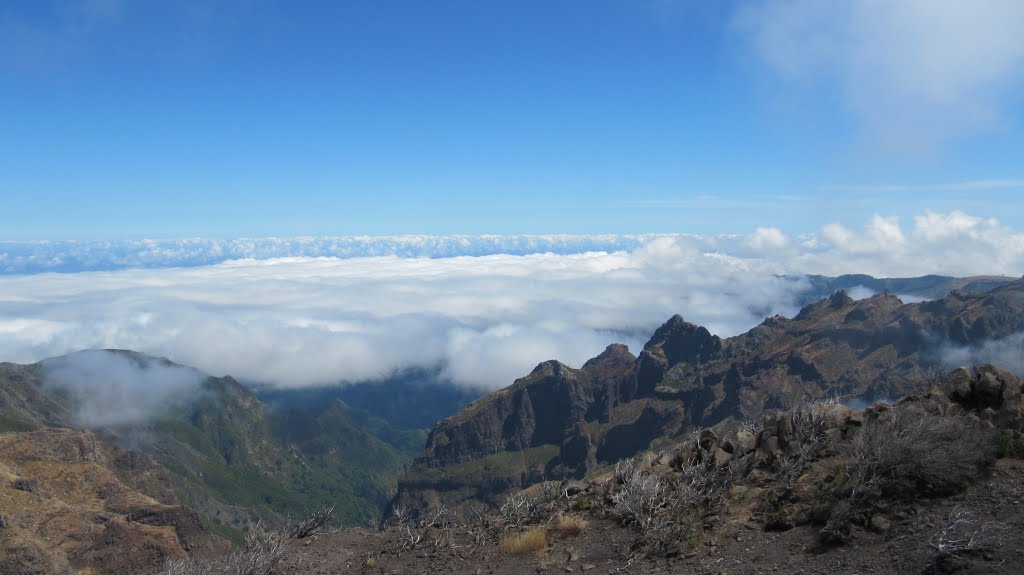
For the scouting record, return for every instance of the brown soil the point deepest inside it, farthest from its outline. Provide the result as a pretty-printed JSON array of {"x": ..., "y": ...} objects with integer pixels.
[
  {"x": 737, "y": 545},
  {"x": 64, "y": 509}
]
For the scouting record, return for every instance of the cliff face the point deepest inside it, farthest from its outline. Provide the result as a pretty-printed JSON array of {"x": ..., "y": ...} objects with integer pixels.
[{"x": 560, "y": 422}]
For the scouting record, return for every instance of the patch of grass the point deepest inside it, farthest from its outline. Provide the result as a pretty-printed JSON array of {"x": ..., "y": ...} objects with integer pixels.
[
  {"x": 570, "y": 525},
  {"x": 235, "y": 536},
  {"x": 534, "y": 539},
  {"x": 693, "y": 537},
  {"x": 1003, "y": 445},
  {"x": 505, "y": 462},
  {"x": 8, "y": 423},
  {"x": 582, "y": 503}
]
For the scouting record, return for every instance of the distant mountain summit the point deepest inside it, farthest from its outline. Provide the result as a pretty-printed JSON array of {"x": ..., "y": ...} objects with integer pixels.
[{"x": 559, "y": 422}]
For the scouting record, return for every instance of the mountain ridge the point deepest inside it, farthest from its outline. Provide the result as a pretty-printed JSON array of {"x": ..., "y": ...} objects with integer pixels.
[{"x": 559, "y": 422}]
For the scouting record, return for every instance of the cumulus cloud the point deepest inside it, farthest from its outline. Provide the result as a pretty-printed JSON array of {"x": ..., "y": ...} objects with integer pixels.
[
  {"x": 915, "y": 73},
  {"x": 768, "y": 239},
  {"x": 482, "y": 319},
  {"x": 114, "y": 388},
  {"x": 954, "y": 243}
]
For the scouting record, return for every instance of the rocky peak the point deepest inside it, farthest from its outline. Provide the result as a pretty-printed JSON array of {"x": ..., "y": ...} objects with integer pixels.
[
  {"x": 614, "y": 354},
  {"x": 840, "y": 299},
  {"x": 679, "y": 340}
]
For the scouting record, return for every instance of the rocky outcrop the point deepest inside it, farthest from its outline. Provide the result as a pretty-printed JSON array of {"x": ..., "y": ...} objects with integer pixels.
[
  {"x": 994, "y": 394},
  {"x": 617, "y": 404},
  {"x": 988, "y": 395}
]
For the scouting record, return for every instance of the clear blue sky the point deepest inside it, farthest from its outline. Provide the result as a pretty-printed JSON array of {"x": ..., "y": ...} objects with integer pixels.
[{"x": 126, "y": 119}]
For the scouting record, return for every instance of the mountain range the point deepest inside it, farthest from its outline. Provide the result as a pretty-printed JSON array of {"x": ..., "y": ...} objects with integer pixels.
[
  {"x": 190, "y": 478},
  {"x": 559, "y": 422}
]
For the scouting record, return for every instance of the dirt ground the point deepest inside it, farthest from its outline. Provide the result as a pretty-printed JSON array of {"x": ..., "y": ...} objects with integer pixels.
[{"x": 738, "y": 546}]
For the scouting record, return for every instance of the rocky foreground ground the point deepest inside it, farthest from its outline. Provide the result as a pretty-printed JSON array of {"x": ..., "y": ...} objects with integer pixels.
[
  {"x": 741, "y": 548},
  {"x": 933, "y": 484},
  {"x": 930, "y": 484}
]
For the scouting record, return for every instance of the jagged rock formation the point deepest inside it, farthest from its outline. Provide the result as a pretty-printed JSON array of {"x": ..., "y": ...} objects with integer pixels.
[{"x": 560, "y": 422}]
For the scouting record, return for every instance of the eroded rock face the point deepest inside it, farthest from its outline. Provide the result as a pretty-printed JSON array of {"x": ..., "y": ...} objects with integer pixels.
[{"x": 617, "y": 404}]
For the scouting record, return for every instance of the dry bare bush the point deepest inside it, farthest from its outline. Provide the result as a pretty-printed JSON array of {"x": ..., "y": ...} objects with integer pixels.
[
  {"x": 400, "y": 515},
  {"x": 311, "y": 524},
  {"x": 626, "y": 469},
  {"x": 261, "y": 555},
  {"x": 410, "y": 539},
  {"x": 751, "y": 426},
  {"x": 909, "y": 451},
  {"x": 534, "y": 539},
  {"x": 810, "y": 441},
  {"x": 438, "y": 515},
  {"x": 519, "y": 509},
  {"x": 960, "y": 536},
  {"x": 262, "y": 552},
  {"x": 439, "y": 526},
  {"x": 190, "y": 567},
  {"x": 701, "y": 483},
  {"x": 639, "y": 499}
]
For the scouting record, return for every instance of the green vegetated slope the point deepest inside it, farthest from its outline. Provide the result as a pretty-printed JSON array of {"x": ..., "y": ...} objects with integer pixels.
[
  {"x": 229, "y": 445},
  {"x": 236, "y": 459}
]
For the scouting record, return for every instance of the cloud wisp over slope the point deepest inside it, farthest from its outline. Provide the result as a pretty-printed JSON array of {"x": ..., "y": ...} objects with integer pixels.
[
  {"x": 113, "y": 388},
  {"x": 485, "y": 319}
]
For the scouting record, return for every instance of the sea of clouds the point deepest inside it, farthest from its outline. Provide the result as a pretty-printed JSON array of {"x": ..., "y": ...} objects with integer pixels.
[{"x": 323, "y": 316}]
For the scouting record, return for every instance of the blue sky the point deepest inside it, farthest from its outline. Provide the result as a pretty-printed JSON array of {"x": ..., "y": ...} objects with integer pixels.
[{"x": 225, "y": 118}]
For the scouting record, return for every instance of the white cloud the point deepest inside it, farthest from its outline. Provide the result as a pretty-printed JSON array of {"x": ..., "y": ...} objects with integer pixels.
[
  {"x": 768, "y": 239},
  {"x": 915, "y": 73},
  {"x": 954, "y": 243},
  {"x": 117, "y": 389},
  {"x": 485, "y": 319}
]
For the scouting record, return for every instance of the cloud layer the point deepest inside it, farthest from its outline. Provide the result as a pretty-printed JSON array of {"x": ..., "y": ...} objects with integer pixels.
[
  {"x": 26, "y": 257},
  {"x": 484, "y": 319}
]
